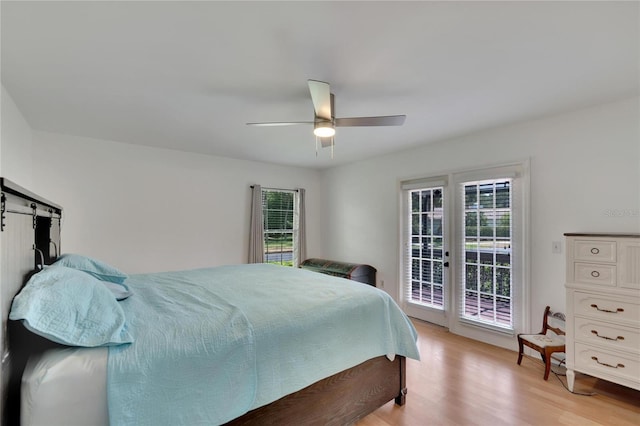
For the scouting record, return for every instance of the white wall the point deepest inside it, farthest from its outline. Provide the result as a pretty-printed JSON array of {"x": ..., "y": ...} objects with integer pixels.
[
  {"x": 585, "y": 177},
  {"x": 15, "y": 142},
  {"x": 144, "y": 209}
]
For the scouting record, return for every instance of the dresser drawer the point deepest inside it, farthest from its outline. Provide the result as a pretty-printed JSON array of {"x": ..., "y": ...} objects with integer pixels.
[
  {"x": 607, "y": 308},
  {"x": 608, "y": 335},
  {"x": 595, "y": 361},
  {"x": 594, "y": 250},
  {"x": 595, "y": 273}
]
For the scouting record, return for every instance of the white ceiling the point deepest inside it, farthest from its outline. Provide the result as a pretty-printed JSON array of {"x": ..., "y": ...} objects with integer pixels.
[{"x": 189, "y": 75}]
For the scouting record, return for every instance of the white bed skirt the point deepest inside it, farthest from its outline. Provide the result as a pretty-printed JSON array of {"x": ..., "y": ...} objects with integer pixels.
[{"x": 66, "y": 387}]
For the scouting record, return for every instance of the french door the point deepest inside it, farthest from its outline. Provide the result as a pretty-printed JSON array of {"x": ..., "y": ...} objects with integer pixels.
[
  {"x": 426, "y": 290},
  {"x": 463, "y": 240}
]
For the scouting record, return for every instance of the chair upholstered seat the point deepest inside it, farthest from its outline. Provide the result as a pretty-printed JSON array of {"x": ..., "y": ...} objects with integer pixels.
[{"x": 543, "y": 340}]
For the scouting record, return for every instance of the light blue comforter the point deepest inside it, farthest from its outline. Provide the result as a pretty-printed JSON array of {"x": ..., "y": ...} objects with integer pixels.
[{"x": 212, "y": 344}]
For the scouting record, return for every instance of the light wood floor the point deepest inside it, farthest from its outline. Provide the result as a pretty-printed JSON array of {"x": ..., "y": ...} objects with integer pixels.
[{"x": 463, "y": 382}]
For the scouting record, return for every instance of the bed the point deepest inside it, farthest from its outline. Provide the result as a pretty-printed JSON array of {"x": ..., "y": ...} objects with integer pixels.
[{"x": 258, "y": 344}]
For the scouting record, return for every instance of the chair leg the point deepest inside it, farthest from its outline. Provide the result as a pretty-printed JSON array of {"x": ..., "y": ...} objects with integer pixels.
[
  {"x": 520, "y": 352},
  {"x": 547, "y": 365}
]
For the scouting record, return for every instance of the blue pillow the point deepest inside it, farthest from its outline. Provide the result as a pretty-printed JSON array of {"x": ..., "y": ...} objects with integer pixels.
[
  {"x": 94, "y": 267},
  {"x": 98, "y": 269},
  {"x": 70, "y": 307}
]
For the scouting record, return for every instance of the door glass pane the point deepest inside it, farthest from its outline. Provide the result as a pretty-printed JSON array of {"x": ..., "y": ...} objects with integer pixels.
[
  {"x": 470, "y": 197},
  {"x": 487, "y": 252},
  {"x": 426, "y": 224},
  {"x": 437, "y": 225},
  {"x": 436, "y": 248},
  {"x": 415, "y": 224},
  {"x": 427, "y": 246},
  {"x": 503, "y": 198},
  {"x": 415, "y": 202},
  {"x": 471, "y": 223},
  {"x": 426, "y": 201},
  {"x": 437, "y": 199}
]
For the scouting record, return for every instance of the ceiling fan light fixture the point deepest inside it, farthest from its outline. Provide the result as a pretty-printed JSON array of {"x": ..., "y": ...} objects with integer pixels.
[{"x": 324, "y": 129}]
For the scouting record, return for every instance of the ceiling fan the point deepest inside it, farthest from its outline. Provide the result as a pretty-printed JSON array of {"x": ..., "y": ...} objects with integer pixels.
[{"x": 324, "y": 120}]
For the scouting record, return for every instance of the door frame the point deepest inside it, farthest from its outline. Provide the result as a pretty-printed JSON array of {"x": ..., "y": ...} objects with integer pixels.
[{"x": 449, "y": 318}]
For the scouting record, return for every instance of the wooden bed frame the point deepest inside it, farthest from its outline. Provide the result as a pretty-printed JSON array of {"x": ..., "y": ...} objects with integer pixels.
[
  {"x": 30, "y": 236},
  {"x": 340, "y": 399}
]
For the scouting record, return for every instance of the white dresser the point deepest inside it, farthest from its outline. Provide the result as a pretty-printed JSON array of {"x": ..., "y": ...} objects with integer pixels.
[{"x": 603, "y": 307}]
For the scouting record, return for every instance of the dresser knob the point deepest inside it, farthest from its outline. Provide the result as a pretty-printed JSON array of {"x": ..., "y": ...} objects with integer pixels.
[
  {"x": 595, "y": 274},
  {"x": 595, "y": 250}
]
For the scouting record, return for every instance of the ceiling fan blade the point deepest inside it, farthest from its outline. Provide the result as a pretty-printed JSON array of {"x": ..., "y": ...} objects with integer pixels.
[
  {"x": 280, "y": 123},
  {"x": 386, "y": 120},
  {"x": 321, "y": 98}
]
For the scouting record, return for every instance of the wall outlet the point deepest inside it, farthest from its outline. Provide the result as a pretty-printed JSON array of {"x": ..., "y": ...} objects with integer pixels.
[
  {"x": 381, "y": 283},
  {"x": 556, "y": 247}
]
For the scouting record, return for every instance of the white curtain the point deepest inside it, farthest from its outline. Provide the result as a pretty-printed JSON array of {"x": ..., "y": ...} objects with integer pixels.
[
  {"x": 300, "y": 233},
  {"x": 256, "y": 229}
]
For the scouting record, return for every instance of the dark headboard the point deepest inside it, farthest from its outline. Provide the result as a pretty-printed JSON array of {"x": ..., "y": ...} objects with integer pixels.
[{"x": 29, "y": 237}]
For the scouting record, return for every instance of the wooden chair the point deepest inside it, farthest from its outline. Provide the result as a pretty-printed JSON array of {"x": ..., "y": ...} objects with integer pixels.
[{"x": 543, "y": 343}]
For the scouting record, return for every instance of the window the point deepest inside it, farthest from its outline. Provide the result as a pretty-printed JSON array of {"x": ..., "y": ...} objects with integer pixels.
[{"x": 278, "y": 212}]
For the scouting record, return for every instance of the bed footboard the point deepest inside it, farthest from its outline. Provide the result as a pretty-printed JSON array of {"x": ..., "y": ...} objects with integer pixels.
[{"x": 337, "y": 400}]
